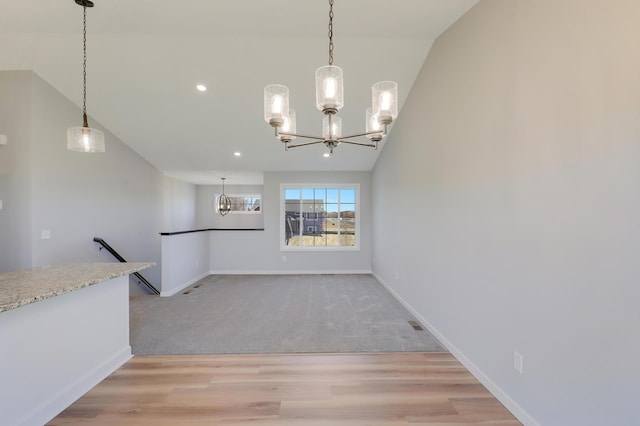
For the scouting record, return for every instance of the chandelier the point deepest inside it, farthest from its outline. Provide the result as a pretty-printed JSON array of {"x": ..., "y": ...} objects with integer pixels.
[
  {"x": 329, "y": 100},
  {"x": 85, "y": 139},
  {"x": 223, "y": 202}
]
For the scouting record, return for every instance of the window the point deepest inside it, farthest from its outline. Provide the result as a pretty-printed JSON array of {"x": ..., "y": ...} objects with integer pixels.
[
  {"x": 241, "y": 204},
  {"x": 319, "y": 217}
]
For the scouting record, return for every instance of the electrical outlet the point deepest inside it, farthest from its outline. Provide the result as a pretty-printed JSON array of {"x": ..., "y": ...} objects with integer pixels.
[
  {"x": 517, "y": 361},
  {"x": 397, "y": 275},
  {"x": 197, "y": 262},
  {"x": 284, "y": 258}
]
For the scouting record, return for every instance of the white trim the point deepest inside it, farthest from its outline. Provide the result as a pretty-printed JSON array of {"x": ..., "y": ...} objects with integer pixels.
[
  {"x": 289, "y": 272},
  {"x": 53, "y": 406},
  {"x": 495, "y": 390},
  {"x": 183, "y": 285}
]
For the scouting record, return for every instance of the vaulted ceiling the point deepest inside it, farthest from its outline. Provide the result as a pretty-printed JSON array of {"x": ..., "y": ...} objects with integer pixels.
[{"x": 145, "y": 58}]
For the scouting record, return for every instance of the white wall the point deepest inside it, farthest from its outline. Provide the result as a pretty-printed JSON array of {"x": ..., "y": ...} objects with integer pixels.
[
  {"x": 116, "y": 195},
  {"x": 15, "y": 169},
  {"x": 179, "y": 205},
  {"x": 185, "y": 260},
  {"x": 519, "y": 146},
  {"x": 259, "y": 251},
  {"x": 57, "y": 349}
]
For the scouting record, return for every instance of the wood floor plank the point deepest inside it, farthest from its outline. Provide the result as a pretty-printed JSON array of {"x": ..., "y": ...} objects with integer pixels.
[{"x": 391, "y": 389}]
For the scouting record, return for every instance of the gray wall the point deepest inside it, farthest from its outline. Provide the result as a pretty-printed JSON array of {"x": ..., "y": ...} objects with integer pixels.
[
  {"x": 259, "y": 251},
  {"x": 520, "y": 148},
  {"x": 116, "y": 195},
  {"x": 15, "y": 171}
]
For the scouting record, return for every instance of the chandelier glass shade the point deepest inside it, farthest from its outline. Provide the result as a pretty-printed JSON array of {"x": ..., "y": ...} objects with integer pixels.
[
  {"x": 85, "y": 139},
  {"x": 222, "y": 204},
  {"x": 329, "y": 89},
  {"x": 329, "y": 100},
  {"x": 276, "y": 104},
  {"x": 289, "y": 125},
  {"x": 374, "y": 128}
]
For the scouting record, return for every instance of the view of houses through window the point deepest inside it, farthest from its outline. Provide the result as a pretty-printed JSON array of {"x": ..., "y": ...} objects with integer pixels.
[{"x": 320, "y": 216}]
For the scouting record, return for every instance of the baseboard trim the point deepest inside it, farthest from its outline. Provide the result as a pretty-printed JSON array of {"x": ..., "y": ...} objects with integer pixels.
[
  {"x": 183, "y": 285},
  {"x": 53, "y": 406},
  {"x": 500, "y": 395},
  {"x": 289, "y": 272}
]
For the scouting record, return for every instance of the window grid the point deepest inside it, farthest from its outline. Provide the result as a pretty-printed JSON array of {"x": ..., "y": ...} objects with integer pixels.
[{"x": 320, "y": 217}]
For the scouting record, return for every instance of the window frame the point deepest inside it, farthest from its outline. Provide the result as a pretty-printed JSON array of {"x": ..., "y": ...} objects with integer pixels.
[{"x": 301, "y": 186}]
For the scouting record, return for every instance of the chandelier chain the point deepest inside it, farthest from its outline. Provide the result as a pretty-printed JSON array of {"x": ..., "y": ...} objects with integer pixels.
[
  {"x": 330, "y": 32},
  {"x": 84, "y": 67}
]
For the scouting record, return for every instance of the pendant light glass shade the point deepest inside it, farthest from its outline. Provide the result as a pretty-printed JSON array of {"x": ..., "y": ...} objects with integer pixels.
[
  {"x": 85, "y": 139},
  {"x": 329, "y": 88},
  {"x": 331, "y": 127},
  {"x": 288, "y": 126},
  {"x": 276, "y": 104},
  {"x": 384, "y": 101}
]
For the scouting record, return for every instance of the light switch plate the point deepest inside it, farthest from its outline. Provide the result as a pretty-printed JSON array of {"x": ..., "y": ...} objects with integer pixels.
[
  {"x": 45, "y": 234},
  {"x": 3, "y": 139},
  {"x": 517, "y": 361}
]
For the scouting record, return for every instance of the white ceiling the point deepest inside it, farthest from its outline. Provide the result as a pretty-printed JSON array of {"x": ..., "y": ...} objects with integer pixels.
[{"x": 146, "y": 56}]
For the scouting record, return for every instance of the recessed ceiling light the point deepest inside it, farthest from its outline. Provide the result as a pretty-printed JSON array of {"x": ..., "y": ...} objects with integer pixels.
[
  {"x": 201, "y": 87},
  {"x": 237, "y": 153},
  {"x": 326, "y": 155}
]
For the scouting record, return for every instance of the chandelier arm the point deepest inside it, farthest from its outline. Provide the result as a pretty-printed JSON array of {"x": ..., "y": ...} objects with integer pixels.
[
  {"x": 299, "y": 135},
  {"x": 370, "y": 145},
  {"x": 303, "y": 144},
  {"x": 355, "y": 135}
]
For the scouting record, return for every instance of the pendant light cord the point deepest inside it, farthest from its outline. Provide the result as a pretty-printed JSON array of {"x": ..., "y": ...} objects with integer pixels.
[
  {"x": 330, "y": 32},
  {"x": 84, "y": 68}
]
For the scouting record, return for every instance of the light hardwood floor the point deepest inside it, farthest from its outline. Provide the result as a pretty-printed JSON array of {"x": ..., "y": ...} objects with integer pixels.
[{"x": 301, "y": 389}]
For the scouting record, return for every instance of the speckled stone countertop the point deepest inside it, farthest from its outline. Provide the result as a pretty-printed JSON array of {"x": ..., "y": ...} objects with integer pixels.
[{"x": 32, "y": 285}]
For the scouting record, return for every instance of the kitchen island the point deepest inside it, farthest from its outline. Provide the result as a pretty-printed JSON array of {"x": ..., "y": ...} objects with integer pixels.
[{"x": 63, "y": 328}]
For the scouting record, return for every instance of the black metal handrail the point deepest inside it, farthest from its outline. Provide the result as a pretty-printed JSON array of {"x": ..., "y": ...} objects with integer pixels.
[{"x": 115, "y": 254}]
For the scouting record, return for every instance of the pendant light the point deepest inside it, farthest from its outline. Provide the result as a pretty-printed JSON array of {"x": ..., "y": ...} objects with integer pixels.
[
  {"x": 85, "y": 139},
  {"x": 329, "y": 100},
  {"x": 223, "y": 202}
]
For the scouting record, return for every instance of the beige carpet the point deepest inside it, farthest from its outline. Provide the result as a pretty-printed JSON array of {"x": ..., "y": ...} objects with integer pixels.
[{"x": 226, "y": 314}]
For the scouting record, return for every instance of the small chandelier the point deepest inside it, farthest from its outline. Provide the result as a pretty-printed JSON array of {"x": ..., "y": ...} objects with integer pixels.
[
  {"x": 223, "y": 202},
  {"x": 329, "y": 100},
  {"x": 85, "y": 139}
]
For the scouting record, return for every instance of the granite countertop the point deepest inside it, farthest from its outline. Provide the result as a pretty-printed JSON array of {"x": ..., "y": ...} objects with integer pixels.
[{"x": 32, "y": 285}]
